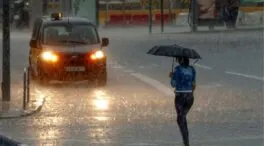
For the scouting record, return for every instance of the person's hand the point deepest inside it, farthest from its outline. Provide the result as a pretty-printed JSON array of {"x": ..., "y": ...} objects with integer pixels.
[
  {"x": 170, "y": 74},
  {"x": 175, "y": 92},
  {"x": 193, "y": 86}
]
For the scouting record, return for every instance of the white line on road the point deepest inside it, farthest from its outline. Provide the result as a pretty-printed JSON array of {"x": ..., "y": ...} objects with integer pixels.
[
  {"x": 128, "y": 71},
  {"x": 166, "y": 90},
  {"x": 214, "y": 85},
  {"x": 245, "y": 75},
  {"x": 203, "y": 66},
  {"x": 116, "y": 66},
  {"x": 154, "y": 83}
]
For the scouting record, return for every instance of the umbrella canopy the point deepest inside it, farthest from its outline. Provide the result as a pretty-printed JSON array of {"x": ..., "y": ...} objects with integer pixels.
[
  {"x": 174, "y": 51},
  {"x": 252, "y": 1}
]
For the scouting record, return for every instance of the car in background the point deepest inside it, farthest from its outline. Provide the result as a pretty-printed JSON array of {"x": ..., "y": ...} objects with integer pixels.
[{"x": 67, "y": 48}]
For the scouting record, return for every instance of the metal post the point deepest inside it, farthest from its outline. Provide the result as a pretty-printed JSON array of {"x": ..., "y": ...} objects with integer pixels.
[
  {"x": 70, "y": 7},
  {"x": 170, "y": 13},
  {"x": 6, "y": 52},
  {"x": 194, "y": 15},
  {"x": 106, "y": 13},
  {"x": 150, "y": 16},
  {"x": 162, "y": 15},
  {"x": 45, "y": 7},
  {"x": 97, "y": 5},
  {"x": 28, "y": 84},
  {"x": 24, "y": 88}
]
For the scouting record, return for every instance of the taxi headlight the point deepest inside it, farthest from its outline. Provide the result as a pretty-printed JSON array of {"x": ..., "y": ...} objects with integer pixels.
[
  {"x": 97, "y": 55},
  {"x": 49, "y": 56}
]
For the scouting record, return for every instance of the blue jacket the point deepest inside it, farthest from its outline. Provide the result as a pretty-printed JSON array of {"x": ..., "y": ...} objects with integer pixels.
[{"x": 183, "y": 78}]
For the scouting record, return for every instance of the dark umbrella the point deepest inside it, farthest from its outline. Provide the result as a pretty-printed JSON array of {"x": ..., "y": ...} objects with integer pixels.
[{"x": 174, "y": 51}]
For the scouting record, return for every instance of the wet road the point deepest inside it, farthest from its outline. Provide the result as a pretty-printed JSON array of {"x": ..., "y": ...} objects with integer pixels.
[{"x": 135, "y": 108}]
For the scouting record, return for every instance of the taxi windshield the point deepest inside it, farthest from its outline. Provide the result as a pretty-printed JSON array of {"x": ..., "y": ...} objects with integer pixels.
[{"x": 70, "y": 33}]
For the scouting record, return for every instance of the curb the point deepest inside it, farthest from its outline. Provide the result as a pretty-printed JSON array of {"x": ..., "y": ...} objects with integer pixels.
[
  {"x": 227, "y": 30},
  {"x": 5, "y": 141},
  {"x": 37, "y": 106},
  {"x": 213, "y": 31}
]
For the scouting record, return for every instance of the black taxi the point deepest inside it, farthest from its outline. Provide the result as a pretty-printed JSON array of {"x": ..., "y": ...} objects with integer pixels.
[{"x": 67, "y": 48}]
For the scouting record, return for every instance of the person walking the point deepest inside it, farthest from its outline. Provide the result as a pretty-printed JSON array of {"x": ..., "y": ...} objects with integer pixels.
[
  {"x": 233, "y": 8},
  {"x": 183, "y": 79},
  {"x": 230, "y": 10}
]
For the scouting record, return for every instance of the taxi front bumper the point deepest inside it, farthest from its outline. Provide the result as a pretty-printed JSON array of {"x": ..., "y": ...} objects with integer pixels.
[{"x": 68, "y": 70}]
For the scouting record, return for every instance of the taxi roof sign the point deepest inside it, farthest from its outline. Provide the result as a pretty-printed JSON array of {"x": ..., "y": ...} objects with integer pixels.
[{"x": 56, "y": 16}]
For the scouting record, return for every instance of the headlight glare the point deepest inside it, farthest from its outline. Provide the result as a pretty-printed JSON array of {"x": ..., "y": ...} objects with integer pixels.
[
  {"x": 49, "y": 56},
  {"x": 97, "y": 55}
]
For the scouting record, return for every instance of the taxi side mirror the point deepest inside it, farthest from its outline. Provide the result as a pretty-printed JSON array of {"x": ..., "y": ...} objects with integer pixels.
[
  {"x": 105, "y": 42},
  {"x": 33, "y": 43}
]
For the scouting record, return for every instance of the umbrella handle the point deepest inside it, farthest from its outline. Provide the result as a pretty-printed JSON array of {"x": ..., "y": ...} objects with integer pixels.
[
  {"x": 172, "y": 67},
  {"x": 195, "y": 61}
]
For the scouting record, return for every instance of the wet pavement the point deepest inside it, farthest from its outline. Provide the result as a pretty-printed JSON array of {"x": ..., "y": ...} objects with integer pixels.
[{"x": 228, "y": 108}]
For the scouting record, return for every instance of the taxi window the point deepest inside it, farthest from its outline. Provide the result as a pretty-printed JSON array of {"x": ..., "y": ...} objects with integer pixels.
[{"x": 77, "y": 33}]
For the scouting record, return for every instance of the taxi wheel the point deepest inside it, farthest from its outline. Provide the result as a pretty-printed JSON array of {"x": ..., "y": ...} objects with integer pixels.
[
  {"x": 32, "y": 74},
  {"x": 102, "y": 79},
  {"x": 42, "y": 78}
]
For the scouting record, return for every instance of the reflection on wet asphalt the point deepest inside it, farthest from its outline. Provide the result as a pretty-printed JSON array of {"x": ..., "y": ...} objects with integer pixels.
[
  {"x": 96, "y": 114},
  {"x": 130, "y": 112}
]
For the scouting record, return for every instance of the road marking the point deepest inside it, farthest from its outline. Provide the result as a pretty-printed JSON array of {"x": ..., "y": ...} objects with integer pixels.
[
  {"x": 154, "y": 83},
  {"x": 214, "y": 85},
  {"x": 154, "y": 65},
  {"x": 203, "y": 66},
  {"x": 116, "y": 66},
  {"x": 148, "y": 66},
  {"x": 128, "y": 71},
  {"x": 151, "y": 82},
  {"x": 245, "y": 75},
  {"x": 166, "y": 90}
]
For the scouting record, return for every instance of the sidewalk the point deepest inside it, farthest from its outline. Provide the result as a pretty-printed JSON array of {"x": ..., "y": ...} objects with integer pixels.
[
  {"x": 144, "y": 30},
  {"x": 245, "y": 21},
  {"x": 16, "y": 100},
  {"x": 14, "y": 108}
]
